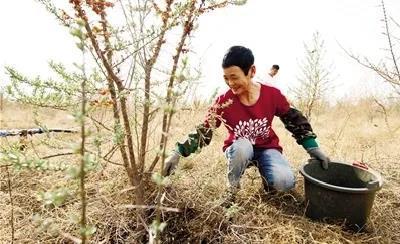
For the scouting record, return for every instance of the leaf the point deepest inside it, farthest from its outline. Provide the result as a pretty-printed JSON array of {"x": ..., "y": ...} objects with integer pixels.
[
  {"x": 90, "y": 162},
  {"x": 73, "y": 172},
  {"x": 157, "y": 178},
  {"x": 162, "y": 226},
  {"x": 157, "y": 226},
  {"x": 88, "y": 230},
  {"x": 76, "y": 32},
  {"x": 80, "y": 45},
  {"x": 56, "y": 198}
]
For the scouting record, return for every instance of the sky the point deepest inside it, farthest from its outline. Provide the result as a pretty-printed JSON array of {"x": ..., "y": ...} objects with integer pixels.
[{"x": 274, "y": 30}]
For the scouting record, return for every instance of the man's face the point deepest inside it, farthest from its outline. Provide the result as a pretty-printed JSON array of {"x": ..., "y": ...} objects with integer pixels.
[
  {"x": 237, "y": 80},
  {"x": 273, "y": 72}
]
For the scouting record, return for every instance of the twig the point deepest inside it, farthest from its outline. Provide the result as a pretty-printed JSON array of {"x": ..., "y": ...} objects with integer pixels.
[
  {"x": 1, "y": 101},
  {"x": 107, "y": 159},
  {"x": 57, "y": 155},
  {"x": 251, "y": 227},
  {"x": 168, "y": 209},
  {"x": 82, "y": 172},
  {"x": 100, "y": 123},
  {"x": 71, "y": 237},
  {"x": 32, "y": 131},
  {"x": 6, "y": 165},
  {"x": 341, "y": 131},
  {"x": 394, "y": 59},
  {"x": 111, "y": 162},
  {"x": 110, "y": 153},
  {"x": 12, "y": 206},
  {"x": 384, "y": 112}
]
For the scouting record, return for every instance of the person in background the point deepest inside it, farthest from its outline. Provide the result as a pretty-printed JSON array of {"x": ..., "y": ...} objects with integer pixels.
[
  {"x": 274, "y": 70},
  {"x": 270, "y": 79}
]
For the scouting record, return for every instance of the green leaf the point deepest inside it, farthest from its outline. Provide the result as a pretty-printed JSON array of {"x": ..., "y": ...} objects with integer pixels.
[
  {"x": 76, "y": 32},
  {"x": 239, "y": 2},
  {"x": 157, "y": 226},
  {"x": 232, "y": 210},
  {"x": 80, "y": 45},
  {"x": 88, "y": 230},
  {"x": 56, "y": 198},
  {"x": 118, "y": 134},
  {"x": 90, "y": 162},
  {"x": 75, "y": 218},
  {"x": 80, "y": 22},
  {"x": 73, "y": 172},
  {"x": 157, "y": 178}
]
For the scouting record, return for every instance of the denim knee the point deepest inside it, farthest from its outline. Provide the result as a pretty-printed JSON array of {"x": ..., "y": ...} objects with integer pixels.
[
  {"x": 275, "y": 169},
  {"x": 240, "y": 150},
  {"x": 282, "y": 178},
  {"x": 238, "y": 155}
]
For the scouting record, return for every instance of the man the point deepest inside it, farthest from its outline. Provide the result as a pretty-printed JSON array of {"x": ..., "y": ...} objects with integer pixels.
[
  {"x": 270, "y": 79},
  {"x": 247, "y": 109},
  {"x": 274, "y": 70}
]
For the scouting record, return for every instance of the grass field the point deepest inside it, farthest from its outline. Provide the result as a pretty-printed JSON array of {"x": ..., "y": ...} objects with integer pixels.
[{"x": 346, "y": 132}]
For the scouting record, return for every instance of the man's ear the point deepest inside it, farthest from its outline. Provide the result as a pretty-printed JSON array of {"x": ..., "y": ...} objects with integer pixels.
[{"x": 252, "y": 71}]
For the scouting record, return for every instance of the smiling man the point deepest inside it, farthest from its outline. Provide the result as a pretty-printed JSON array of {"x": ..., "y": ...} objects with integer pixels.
[{"x": 247, "y": 109}]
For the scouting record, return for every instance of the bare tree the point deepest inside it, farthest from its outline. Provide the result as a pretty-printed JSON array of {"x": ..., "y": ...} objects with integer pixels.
[
  {"x": 388, "y": 70},
  {"x": 314, "y": 78}
]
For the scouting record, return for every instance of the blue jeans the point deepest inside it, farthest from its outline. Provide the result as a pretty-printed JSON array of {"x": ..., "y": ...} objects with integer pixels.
[{"x": 273, "y": 167}]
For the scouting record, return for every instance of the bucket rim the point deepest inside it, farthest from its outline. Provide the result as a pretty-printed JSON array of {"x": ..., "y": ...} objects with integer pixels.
[{"x": 341, "y": 188}]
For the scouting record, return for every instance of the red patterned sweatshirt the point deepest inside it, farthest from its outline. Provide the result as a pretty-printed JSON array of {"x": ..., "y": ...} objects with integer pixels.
[{"x": 251, "y": 122}]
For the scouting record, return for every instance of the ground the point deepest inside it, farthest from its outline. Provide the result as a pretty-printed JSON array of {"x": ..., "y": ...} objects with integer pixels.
[{"x": 346, "y": 132}]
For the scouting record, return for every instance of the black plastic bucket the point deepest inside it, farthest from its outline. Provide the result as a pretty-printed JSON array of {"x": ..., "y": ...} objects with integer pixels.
[{"x": 343, "y": 192}]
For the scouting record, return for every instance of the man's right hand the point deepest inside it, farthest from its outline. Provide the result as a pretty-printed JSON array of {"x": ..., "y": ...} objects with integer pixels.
[{"x": 171, "y": 163}]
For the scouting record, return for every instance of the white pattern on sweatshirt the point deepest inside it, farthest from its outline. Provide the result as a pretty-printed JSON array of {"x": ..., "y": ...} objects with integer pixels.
[{"x": 252, "y": 129}]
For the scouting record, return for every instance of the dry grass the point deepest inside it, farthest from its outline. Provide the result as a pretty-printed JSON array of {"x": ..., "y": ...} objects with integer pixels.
[{"x": 346, "y": 133}]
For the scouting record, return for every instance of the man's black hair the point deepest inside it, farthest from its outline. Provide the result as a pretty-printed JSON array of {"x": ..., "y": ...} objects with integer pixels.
[
  {"x": 275, "y": 66},
  {"x": 238, "y": 56}
]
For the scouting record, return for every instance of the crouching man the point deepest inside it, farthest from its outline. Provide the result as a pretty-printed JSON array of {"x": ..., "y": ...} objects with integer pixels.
[{"x": 247, "y": 109}]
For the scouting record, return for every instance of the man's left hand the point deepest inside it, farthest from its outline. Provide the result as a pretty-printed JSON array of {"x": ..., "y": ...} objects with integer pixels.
[{"x": 317, "y": 153}]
